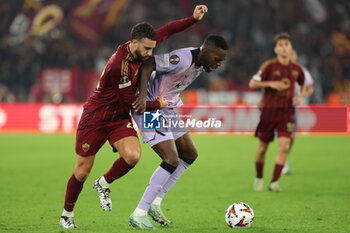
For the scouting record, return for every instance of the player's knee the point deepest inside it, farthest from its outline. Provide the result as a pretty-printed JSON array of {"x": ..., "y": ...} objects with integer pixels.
[
  {"x": 193, "y": 154},
  {"x": 172, "y": 160},
  {"x": 262, "y": 151},
  {"x": 132, "y": 157},
  {"x": 82, "y": 174},
  {"x": 284, "y": 148},
  {"x": 190, "y": 154}
]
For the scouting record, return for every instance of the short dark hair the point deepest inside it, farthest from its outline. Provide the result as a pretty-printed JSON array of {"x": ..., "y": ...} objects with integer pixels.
[
  {"x": 216, "y": 41},
  {"x": 282, "y": 35},
  {"x": 143, "y": 30}
]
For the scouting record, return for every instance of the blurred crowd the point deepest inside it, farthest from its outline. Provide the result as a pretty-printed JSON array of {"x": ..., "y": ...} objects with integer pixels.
[{"x": 320, "y": 32}]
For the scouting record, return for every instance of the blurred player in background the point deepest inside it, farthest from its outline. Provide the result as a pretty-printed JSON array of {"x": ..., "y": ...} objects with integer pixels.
[
  {"x": 106, "y": 113},
  {"x": 278, "y": 77},
  {"x": 173, "y": 72},
  {"x": 308, "y": 90}
]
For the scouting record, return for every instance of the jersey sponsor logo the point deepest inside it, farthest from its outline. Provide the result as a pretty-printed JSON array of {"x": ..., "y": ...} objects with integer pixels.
[
  {"x": 166, "y": 59},
  {"x": 129, "y": 125},
  {"x": 285, "y": 92},
  {"x": 151, "y": 120},
  {"x": 174, "y": 59},
  {"x": 85, "y": 147},
  {"x": 277, "y": 73},
  {"x": 286, "y": 81}
]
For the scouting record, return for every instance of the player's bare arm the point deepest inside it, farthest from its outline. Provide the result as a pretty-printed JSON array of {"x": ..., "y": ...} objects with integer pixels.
[
  {"x": 309, "y": 89},
  {"x": 277, "y": 85},
  {"x": 139, "y": 105},
  {"x": 199, "y": 12},
  {"x": 297, "y": 99}
]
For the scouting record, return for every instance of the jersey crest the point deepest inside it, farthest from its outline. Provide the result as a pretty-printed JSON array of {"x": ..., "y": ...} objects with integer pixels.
[
  {"x": 295, "y": 73},
  {"x": 174, "y": 59}
]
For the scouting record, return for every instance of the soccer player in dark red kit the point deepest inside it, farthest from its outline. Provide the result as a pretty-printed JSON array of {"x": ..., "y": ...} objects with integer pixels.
[
  {"x": 277, "y": 77},
  {"x": 106, "y": 113}
]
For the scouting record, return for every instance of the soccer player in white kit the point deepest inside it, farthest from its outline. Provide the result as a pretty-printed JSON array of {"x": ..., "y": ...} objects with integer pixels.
[
  {"x": 169, "y": 75},
  {"x": 308, "y": 90}
]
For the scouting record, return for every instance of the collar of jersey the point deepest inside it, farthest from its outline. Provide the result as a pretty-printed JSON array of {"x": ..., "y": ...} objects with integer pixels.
[{"x": 131, "y": 57}]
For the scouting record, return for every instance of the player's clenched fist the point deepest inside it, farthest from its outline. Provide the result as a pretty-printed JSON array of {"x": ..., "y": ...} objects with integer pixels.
[{"x": 199, "y": 12}]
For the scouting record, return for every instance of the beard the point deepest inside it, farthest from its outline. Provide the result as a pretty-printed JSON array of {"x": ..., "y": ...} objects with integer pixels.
[{"x": 139, "y": 57}]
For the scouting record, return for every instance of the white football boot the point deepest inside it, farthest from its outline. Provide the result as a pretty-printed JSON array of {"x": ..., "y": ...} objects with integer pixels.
[
  {"x": 103, "y": 194},
  {"x": 67, "y": 222},
  {"x": 274, "y": 187},
  {"x": 258, "y": 184},
  {"x": 157, "y": 215}
]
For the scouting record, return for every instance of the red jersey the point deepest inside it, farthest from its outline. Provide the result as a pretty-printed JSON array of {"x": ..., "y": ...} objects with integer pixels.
[
  {"x": 278, "y": 105},
  {"x": 117, "y": 87}
]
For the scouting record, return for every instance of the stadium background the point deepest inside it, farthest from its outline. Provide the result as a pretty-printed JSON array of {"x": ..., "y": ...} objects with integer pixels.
[
  {"x": 54, "y": 52},
  {"x": 48, "y": 68}
]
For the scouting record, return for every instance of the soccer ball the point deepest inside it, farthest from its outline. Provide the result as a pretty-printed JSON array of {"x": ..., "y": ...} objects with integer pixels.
[{"x": 239, "y": 215}]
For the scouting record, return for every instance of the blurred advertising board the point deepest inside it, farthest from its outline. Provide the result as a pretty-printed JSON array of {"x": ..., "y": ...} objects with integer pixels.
[{"x": 220, "y": 119}]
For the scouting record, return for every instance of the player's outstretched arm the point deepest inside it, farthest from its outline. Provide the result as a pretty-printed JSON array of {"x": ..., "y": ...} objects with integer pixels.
[
  {"x": 139, "y": 105},
  {"x": 277, "y": 85},
  {"x": 180, "y": 25}
]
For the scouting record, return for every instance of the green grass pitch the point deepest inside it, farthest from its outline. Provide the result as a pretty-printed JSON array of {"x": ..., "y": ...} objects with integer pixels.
[{"x": 34, "y": 170}]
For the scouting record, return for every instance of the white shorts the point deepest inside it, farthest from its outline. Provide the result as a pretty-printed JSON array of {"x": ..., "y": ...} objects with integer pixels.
[{"x": 169, "y": 128}]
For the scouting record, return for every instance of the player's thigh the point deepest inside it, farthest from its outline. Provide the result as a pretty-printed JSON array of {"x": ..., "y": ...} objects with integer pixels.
[
  {"x": 129, "y": 149},
  {"x": 185, "y": 147},
  {"x": 123, "y": 138},
  {"x": 167, "y": 151}
]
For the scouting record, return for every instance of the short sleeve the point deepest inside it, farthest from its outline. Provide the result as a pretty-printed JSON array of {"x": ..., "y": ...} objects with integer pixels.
[
  {"x": 262, "y": 74},
  {"x": 301, "y": 77}
]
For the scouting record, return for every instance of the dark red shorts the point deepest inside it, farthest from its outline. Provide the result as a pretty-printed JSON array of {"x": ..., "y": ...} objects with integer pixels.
[
  {"x": 266, "y": 130},
  {"x": 93, "y": 133}
]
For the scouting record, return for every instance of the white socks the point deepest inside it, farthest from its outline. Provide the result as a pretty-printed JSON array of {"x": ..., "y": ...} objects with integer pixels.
[
  {"x": 157, "y": 201},
  {"x": 139, "y": 212},
  {"x": 103, "y": 182},
  {"x": 68, "y": 214}
]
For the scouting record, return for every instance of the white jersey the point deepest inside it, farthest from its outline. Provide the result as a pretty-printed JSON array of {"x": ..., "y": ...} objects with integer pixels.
[
  {"x": 308, "y": 80},
  {"x": 174, "y": 72}
]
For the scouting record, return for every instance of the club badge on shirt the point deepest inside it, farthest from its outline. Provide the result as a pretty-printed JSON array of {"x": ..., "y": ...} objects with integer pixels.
[{"x": 174, "y": 59}]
